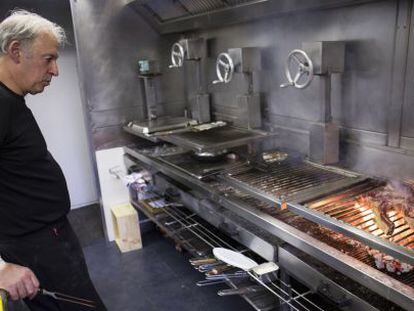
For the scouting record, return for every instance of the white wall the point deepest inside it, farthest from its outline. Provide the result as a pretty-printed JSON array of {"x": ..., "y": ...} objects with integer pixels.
[{"x": 59, "y": 113}]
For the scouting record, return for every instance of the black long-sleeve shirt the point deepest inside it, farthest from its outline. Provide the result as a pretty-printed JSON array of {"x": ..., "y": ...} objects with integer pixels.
[{"x": 33, "y": 191}]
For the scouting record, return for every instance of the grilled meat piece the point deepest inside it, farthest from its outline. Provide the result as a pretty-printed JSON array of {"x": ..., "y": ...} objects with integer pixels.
[
  {"x": 389, "y": 263},
  {"x": 395, "y": 195},
  {"x": 380, "y": 213}
]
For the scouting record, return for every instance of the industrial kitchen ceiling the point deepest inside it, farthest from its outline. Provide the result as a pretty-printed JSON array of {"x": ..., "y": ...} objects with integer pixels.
[
  {"x": 166, "y": 10},
  {"x": 174, "y": 16}
]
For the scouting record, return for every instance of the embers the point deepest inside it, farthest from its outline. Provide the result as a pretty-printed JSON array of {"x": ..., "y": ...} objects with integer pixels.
[{"x": 363, "y": 205}]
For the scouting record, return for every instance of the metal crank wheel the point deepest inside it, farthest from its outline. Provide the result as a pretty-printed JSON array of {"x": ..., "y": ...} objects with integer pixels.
[
  {"x": 177, "y": 55},
  {"x": 298, "y": 61},
  {"x": 224, "y": 68}
]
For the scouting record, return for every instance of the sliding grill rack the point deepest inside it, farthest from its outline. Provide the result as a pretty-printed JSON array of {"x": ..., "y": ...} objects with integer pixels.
[
  {"x": 293, "y": 181},
  {"x": 199, "y": 238},
  {"x": 184, "y": 227}
]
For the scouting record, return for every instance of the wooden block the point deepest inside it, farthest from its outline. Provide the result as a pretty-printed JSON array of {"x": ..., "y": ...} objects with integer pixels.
[{"x": 126, "y": 227}]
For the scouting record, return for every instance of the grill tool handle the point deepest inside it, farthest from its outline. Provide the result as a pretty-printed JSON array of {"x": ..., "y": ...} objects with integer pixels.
[{"x": 3, "y": 300}]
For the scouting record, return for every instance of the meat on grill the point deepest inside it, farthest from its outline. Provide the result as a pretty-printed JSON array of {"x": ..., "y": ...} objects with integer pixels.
[
  {"x": 389, "y": 263},
  {"x": 379, "y": 208},
  {"x": 394, "y": 196}
]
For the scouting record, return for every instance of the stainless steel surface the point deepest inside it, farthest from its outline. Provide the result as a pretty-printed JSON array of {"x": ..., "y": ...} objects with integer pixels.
[
  {"x": 111, "y": 99},
  {"x": 327, "y": 56},
  {"x": 217, "y": 138},
  {"x": 200, "y": 169},
  {"x": 195, "y": 48},
  {"x": 398, "y": 73},
  {"x": 360, "y": 99},
  {"x": 246, "y": 59},
  {"x": 367, "y": 99},
  {"x": 161, "y": 124},
  {"x": 250, "y": 108},
  {"x": 316, "y": 281},
  {"x": 174, "y": 17},
  {"x": 200, "y": 110},
  {"x": 384, "y": 285},
  {"x": 324, "y": 143},
  {"x": 241, "y": 291},
  {"x": 298, "y": 300},
  {"x": 289, "y": 180},
  {"x": 154, "y": 108}
]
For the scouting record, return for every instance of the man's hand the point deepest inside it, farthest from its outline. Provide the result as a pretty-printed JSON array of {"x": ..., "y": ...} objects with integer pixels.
[{"x": 20, "y": 282}]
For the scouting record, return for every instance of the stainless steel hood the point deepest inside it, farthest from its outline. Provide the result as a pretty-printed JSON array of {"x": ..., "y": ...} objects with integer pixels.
[{"x": 172, "y": 16}]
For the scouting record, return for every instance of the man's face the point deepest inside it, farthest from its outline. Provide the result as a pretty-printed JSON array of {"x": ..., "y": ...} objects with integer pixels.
[{"x": 39, "y": 63}]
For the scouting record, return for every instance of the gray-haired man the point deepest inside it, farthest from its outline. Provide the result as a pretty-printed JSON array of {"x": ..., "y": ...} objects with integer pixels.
[{"x": 37, "y": 243}]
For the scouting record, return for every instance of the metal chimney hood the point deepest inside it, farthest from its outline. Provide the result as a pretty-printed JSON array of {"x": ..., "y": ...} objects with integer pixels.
[{"x": 175, "y": 16}]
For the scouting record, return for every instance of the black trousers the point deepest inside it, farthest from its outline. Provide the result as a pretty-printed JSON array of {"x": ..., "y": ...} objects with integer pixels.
[{"x": 55, "y": 256}]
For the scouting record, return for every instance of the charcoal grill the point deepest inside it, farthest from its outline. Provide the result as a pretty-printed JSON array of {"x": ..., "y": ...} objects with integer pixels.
[{"x": 321, "y": 218}]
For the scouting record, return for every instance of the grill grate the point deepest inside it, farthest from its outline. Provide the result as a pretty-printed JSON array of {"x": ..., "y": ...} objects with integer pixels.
[
  {"x": 284, "y": 179},
  {"x": 344, "y": 207}
]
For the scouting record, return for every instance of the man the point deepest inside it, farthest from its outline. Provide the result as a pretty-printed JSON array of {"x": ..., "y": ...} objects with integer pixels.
[{"x": 37, "y": 244}]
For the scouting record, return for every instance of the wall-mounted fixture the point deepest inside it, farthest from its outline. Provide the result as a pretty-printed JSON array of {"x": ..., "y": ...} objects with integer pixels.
[
  {"x": 244, "y": 61},
  {"x": 237, "y": 60},
  {"x": 193, "y": 49},
  {"x": 149, "y": 73},
  {"x": 224, "y": 68},
  {"x": 300, "y": 63},
  {"x": 187, "y": 49},
  {"x": 322, "y": 58}
]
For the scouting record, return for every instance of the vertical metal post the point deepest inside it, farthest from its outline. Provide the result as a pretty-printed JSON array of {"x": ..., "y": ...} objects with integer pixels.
[
  {"x": 326, "y": 109},
  {"x": 287, "y": 288},
  {"x": 152, "y": 104},
  {"x": 402, "y": 32}
]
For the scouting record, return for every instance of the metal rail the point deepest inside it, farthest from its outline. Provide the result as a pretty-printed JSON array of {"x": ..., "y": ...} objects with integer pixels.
[{"x": 292, "y": 301}]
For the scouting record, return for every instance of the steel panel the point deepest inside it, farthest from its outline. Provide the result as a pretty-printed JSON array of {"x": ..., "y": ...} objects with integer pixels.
[
  {"x": 108, "y": 50},
  {"x": 408, "y": 107}
]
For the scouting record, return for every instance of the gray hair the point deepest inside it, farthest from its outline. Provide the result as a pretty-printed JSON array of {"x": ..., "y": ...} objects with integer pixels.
[{"x": 25, "y": 26}]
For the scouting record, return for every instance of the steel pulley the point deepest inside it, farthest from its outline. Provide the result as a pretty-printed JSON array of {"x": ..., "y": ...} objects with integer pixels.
[
  {"x": 300, "y": 63},
  {"x": 224, "y": 68},
  {"x": 177, "y": 55}
]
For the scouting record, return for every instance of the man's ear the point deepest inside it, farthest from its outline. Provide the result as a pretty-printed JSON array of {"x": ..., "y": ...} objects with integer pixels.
[{"x": 15, "y": 51}]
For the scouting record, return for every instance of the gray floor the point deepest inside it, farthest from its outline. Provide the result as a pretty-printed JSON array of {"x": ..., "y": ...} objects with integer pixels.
[{"x": 156, "y": 277}]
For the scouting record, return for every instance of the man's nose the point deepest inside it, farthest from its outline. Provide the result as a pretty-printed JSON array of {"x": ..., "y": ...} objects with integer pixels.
[{"x": 54, "y": 70}]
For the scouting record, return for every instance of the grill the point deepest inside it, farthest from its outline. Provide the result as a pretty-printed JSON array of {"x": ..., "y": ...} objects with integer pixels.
[
  {"x": 289, "y": 180},
  {"x": 321, "y": 218}
]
